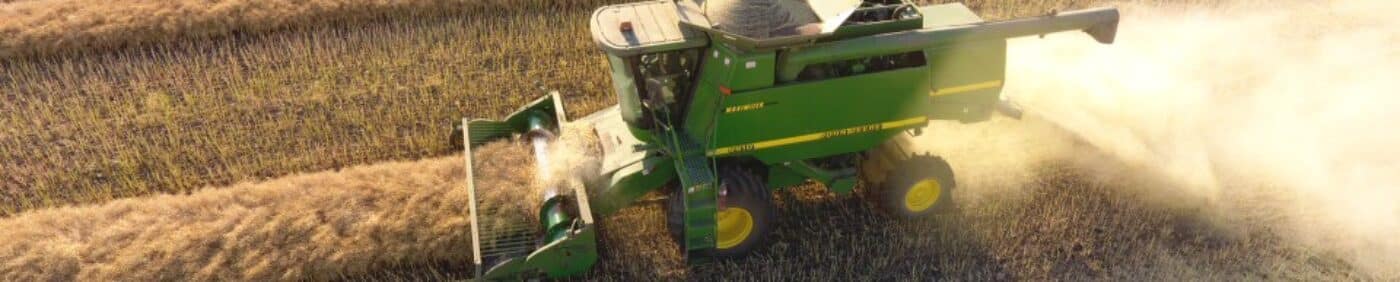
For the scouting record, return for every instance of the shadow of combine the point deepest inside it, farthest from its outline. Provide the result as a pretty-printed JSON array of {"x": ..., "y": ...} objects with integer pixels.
[
  {"x": 1068, "y": 223},
  {"x": 822, "y": 236}
]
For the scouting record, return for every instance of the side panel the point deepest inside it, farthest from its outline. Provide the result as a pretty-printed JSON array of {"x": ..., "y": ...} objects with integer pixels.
[
  {"x": 631, "y": 182},
  {"x": 967, "y": 79},
  {"x": 795, "y": 121},
  {"x": 631, "y": 171},
  {"x": 780, "y": 176},
  {"x": 813, "y": 119},
  {"x": 748, "y": 71},
  {"x": 724, "y": 67}
]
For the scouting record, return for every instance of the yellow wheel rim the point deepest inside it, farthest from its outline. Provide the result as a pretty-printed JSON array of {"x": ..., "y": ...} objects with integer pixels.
[
  {"x": 923, "y": 195},
  {"x": 734, "y": 224}
]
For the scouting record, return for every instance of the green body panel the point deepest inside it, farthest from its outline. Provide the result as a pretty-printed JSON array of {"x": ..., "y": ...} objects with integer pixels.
[
  {"x": 782, "y": 176},
  {"x": 840, "y": 181},
  {"x": 723, "y": 67},
  {"x": 632, "y": 182},
  {"x": 846, "y": 115},
  {"x": 568, "y": 256},
  {"x": 630, "y": 167},
  {"x": 979, "y": 64},
  {"x": 549, "y": 107},
  {"x": 963, "y": 63},
  {"x": 742, "y": 71},
  {"x": 700, "y": 119}
]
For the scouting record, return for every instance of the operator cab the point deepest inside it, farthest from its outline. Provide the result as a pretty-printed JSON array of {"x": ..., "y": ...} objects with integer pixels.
[{"x": 654, "y": 60}]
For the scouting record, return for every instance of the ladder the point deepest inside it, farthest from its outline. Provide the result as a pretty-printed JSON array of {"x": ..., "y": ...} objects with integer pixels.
[{"x": 700, "y": 197}]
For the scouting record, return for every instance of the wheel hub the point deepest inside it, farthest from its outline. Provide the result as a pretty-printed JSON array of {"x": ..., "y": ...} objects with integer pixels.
[
  {"x": 922, "y": 195},
  {"x": 734, "y": 226}
]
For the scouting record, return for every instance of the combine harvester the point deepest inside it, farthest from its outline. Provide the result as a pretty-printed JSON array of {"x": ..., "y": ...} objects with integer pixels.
[{"x": 720, "y": 103}]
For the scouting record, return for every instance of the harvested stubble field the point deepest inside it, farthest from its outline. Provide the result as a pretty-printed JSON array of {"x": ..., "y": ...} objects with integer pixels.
[{"x": 1045, "y": 198}]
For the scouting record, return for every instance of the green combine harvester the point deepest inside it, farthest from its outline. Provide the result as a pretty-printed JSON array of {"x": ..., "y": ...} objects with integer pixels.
[{"x": 722, "y": 102}]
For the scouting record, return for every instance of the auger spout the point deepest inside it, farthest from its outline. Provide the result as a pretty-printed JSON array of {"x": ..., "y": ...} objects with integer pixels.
[{"x": 1100, "y": 23}]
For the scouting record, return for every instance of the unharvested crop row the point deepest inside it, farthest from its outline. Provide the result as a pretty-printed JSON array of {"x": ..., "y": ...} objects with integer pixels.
[
  {"x": 313, "y": 226},
  {"x": 49, "y": 27}
]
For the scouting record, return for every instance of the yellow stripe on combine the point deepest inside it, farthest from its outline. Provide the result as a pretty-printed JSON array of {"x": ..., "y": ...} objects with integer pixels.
[
  {"x": 966, "y": 88},
  {"x": 816, "y": 136}
]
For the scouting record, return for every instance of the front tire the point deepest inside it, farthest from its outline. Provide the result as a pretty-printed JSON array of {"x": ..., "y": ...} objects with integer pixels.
[{"x": 747, "y": 218}]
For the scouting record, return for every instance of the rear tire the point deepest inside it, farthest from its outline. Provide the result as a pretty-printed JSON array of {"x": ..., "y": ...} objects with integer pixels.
[
  {"x": 748, "y": 207},
  {"x": 917, "y": 186}
]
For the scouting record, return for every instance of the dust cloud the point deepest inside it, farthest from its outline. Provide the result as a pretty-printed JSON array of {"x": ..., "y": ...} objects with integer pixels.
[
  {"x": 1286, "y": 107},
  {"x": 576, "y": 158}
]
